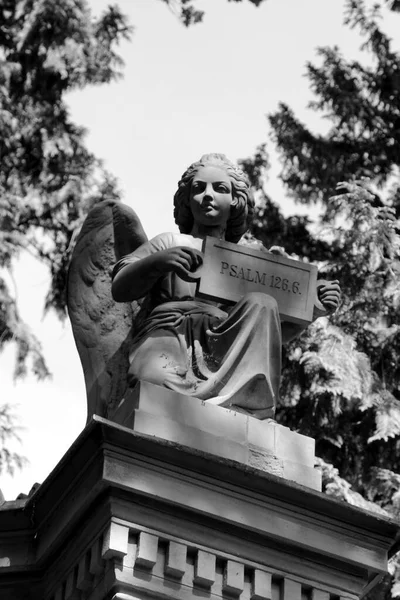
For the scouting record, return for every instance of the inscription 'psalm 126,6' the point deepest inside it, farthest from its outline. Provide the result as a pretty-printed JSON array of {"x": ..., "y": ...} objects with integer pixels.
[
  {"x": 229, "y": 271},
  {"x": 265, "y": 279}
]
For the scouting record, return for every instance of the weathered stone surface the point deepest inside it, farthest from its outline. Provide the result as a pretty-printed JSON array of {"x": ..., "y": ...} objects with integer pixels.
[
  {"x": 192, "y": 525},
  {"x": 178, "y": 432},
  {"x": 233, "y": 582},
  {"x": 281, "y": 441},
  {"x": 175, "y": 564},
  {"x": 291, "y": 589},
  {"x": 319, "y": 595},
  {"x": 204, "y": 572},
  {"x": 115, "y": 541},
  {"x": 263, "y": 460},
  {"x": 84, "y": 579},
  {"x": 229, "y": 271},
  {"x": 263, "y": 445},
  {"x": 147, "y": 551},
  {"x": 261, "y": 587},
  {"x": 121, "y": 339},
  {"x": 219, "y": 421},
  {"x": 309, "y": 476},
  {"x": 96, "y": 564}
]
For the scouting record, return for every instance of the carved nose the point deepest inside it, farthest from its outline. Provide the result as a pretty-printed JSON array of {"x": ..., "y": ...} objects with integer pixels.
[{"x": 208, "y": 194}]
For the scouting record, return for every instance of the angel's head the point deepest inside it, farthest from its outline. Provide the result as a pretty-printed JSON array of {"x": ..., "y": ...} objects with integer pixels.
[{"x": 241, "y": 200}]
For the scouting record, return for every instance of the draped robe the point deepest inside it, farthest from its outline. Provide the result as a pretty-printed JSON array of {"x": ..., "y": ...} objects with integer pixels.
[{"x": 228, "y": 356}]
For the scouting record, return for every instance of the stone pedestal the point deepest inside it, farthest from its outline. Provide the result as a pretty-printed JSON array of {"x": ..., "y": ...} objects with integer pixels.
[
  {"x": 265, "y": 445},
  {"x": 126, "y": 515}
]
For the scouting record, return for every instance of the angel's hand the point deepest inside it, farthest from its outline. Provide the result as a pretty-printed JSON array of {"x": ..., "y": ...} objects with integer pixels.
[
  {"x": 278, "y": 250},
  {"x": 182, "y": 260},
  {"x": 329, "y": 295}
]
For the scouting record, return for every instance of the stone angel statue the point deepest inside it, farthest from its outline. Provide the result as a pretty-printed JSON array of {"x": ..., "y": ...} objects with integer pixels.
[{"x": 134, "y": 311}]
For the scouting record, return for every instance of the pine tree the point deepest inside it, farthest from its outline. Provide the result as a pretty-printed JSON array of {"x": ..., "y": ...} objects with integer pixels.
[
  {"x": 188, "y": 14},
  {"x": 341, "y": 377},
  {"x": 48, "y": 178}
]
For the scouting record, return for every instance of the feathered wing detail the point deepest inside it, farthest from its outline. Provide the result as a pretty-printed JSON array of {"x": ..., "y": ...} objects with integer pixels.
[{"x": 103, "y": 329}]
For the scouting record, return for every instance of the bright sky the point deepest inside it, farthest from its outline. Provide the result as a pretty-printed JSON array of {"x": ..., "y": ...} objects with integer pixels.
[{"x": 185, "y": 92}]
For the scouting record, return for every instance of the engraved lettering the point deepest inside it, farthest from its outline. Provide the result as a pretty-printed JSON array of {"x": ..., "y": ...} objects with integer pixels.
[
  {"x": 248, "y": 276},
  {"x": 224, "y": 265},
  {"x": 260, "y": 278}
]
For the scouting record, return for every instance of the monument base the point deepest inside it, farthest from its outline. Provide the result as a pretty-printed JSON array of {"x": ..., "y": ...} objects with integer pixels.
[
  {"x": 265, "y": 445},
  {"x": 129, "y": 516}
]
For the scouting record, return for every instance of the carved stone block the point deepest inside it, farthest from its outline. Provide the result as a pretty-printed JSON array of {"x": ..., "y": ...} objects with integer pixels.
[{"x": 230, "y": 271}]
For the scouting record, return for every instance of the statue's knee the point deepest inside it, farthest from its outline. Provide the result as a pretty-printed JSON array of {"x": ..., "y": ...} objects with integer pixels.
[{"x": 261, "y": 300}]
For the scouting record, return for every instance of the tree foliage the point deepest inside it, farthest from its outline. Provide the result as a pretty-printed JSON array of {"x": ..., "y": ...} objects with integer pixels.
[
  {"x": 48, "y": 178},
  {"x": 47, "y": 175},
  {"x": 341, "y": 377},
  {"x": 9, "y": 460},
  {"x": 188, "y": 14},
  {"x": 362, "y": 103}
]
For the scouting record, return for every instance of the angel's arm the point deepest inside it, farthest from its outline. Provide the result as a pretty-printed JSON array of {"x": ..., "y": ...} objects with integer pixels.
[
  {"x": 135, "y": 275},
  {"x": 134, "y": 278}
]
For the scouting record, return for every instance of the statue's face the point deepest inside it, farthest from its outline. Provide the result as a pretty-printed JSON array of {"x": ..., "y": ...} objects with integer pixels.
[{"x": 211, "y": 196}]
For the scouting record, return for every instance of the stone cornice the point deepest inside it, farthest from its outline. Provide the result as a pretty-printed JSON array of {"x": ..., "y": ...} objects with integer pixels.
[{"x": 150, "y": 485}]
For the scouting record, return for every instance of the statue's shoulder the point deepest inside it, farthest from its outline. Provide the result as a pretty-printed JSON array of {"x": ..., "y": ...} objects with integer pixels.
[
  {"x": 170, "y": 239},
  {"x": 167, "y": 238},
  {"x": 160, "y": 242},
  {"x": 185, "y": 239}
]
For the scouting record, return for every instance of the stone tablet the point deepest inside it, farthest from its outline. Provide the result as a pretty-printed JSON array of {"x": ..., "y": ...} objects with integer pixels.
[{"x": 230, "y": 271}]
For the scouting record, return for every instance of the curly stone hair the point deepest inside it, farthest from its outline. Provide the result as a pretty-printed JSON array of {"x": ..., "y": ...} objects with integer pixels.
[{"x": 242, "y": 205}]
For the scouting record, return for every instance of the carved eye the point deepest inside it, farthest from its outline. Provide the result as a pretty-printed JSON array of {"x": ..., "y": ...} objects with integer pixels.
[{"x": 197, "y": 186}]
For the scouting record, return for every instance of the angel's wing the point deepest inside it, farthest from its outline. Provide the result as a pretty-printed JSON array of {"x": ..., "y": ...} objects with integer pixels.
[{"x": 102, "y": 328}]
